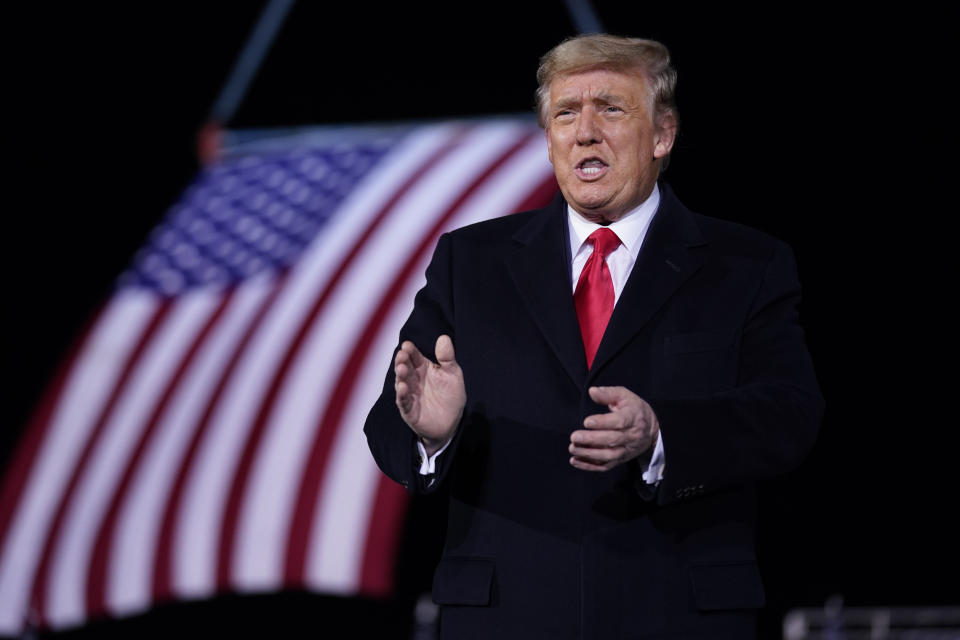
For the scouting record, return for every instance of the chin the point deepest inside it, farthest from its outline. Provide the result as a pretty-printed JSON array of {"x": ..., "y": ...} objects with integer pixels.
[
  {"x": 592, "y": 206},
  {"x": 596, "y": 203},
  {"x": 600, "y": 216}
]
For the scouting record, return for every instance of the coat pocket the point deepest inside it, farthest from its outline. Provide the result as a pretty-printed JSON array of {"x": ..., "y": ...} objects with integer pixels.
[
  {"x": 698, "y": 363},
  {"x": 463, "y": 581},
  {"x": 727, "y": 586}
]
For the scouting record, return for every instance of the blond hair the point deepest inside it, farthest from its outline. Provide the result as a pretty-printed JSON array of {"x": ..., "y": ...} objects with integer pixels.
[{"x": 602, "y": 51}]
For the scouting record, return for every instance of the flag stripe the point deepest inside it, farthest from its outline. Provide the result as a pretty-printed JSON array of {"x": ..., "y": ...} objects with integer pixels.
[{"x": 382, "y": 540}]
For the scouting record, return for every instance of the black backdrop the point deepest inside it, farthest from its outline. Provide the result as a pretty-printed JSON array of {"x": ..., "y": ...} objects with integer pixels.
[{"x": 827, "y": 128}]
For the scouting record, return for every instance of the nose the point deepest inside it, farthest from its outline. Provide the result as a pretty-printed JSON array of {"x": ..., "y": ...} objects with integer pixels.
[{"x": 588, "y": 127}]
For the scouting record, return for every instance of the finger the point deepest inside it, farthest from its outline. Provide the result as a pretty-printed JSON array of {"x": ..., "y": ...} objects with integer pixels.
[
  {"x": 597, "y": 455},
  {"x": 412, "y": 353},
  {"x": 407, "y": 376},
  {"x": 404, "y": 398},
  {"x": 605, "y": 439},
  {"x": 444, "y": 351},
  {"x": 608, "y": 395},
  {"x": 605, "y": 421},
  {"x": 586, "y": 465}
]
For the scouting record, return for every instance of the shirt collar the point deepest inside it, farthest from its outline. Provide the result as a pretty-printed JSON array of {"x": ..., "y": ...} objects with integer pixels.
[{"x": 631, "y": 228}]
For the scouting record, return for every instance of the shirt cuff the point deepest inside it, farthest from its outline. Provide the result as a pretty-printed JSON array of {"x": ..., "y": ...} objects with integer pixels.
[
  {"x": 428, "y": 464},
  {"x": 654, "y": 472}
]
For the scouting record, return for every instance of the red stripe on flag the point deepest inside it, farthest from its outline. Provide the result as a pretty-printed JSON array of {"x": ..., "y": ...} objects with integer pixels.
[
  {"x": 541, "y": 196},
  {"x": 305, "y": 513},
  {"x": 96, "y": 578},
  {"x": 163, "y": 562},
  {"x": 383, "y": 535},
  {"x": 238, "y": 488},
  {"x": 383, "y": 538},
  {"x": 41, "y": 576}
]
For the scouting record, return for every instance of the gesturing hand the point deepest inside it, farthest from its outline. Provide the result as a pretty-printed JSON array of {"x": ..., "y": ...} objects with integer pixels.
[
  {"x": 430, "y": 396},
  {"x": 629, "y": 429}
]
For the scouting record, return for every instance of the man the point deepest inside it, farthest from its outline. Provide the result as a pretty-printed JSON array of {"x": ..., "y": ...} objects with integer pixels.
[{"x": 601, "y": 404}]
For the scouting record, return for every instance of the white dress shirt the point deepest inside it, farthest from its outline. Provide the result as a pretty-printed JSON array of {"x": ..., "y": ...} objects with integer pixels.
[{"x": 631, "y": 229}]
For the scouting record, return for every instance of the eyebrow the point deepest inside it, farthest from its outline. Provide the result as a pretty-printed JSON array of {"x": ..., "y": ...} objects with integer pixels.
[{"x": 602, "y": 97}]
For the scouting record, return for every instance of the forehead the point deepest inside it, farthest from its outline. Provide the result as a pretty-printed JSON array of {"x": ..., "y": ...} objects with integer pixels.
[{"x": 599, "y": 83}]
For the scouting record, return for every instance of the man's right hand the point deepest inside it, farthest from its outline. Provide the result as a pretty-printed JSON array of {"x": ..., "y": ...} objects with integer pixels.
[{"x": 430, "y": 396}]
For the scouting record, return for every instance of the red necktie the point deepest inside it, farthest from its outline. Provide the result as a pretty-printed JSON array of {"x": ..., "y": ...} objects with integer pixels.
[{"x": 593, "y": 296}]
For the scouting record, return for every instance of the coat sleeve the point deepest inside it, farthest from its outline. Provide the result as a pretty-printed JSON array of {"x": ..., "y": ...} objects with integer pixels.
[
  {"x": 767, "y": 424},
  {"x": 391, "y": 441}
]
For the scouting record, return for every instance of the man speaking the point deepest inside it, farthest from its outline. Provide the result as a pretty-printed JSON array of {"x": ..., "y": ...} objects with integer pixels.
[{"x": 611, "y": 376}]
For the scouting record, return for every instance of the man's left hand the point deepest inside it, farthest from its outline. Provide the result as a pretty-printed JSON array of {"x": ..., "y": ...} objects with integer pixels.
[{"x": 609, "y": 439}]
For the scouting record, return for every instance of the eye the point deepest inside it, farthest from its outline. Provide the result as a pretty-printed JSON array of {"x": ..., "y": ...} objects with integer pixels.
[{"x": 612, "y": 109}]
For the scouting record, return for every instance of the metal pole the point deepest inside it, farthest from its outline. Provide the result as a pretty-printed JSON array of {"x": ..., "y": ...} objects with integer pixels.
[
  {"x": 584, "y": 17},
  {"x": 250, "y": 59}
]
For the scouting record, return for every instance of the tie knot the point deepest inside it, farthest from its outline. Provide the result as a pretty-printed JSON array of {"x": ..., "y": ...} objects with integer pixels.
[{"x": 605, "y": 241}]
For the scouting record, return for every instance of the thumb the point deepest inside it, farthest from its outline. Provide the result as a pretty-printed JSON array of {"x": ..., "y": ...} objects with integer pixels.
[
  {"x": 444, "y": 351},
  {"x": 606, "y": 395}
]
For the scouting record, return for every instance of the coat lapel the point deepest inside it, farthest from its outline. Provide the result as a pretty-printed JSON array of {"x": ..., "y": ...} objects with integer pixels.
[
  {"x": 541, "y": 271},
  {"x": 540, "y": 268},
  {"x": 666, "y": 260}
]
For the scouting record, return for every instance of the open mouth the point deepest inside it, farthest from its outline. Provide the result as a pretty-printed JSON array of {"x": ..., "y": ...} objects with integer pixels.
[{"x": 591, "y": 168}]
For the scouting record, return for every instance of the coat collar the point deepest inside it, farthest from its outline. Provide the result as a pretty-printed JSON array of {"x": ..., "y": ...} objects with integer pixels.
[{"x": 540, "y": 267}]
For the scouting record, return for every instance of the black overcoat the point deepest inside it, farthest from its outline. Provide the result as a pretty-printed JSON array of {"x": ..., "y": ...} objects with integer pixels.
[{"x": 706, "y": 330}]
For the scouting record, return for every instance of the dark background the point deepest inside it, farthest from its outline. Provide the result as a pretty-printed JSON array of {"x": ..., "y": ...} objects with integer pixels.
[{"x": 827, "y": 128}]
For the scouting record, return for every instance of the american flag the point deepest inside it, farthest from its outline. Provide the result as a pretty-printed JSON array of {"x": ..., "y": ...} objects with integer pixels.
[{"x": 205, "y": 435}]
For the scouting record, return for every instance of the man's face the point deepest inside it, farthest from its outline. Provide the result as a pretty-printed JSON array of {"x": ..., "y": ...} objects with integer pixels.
[{"x": 602, "y": 141}]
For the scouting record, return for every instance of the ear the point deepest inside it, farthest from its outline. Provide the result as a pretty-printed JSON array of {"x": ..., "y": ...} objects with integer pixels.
[
  {"x": 665, "y": 136},
  {"x": 546, "y": 133}
]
